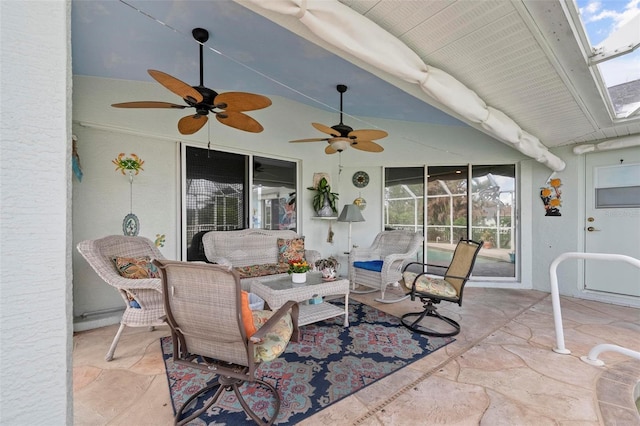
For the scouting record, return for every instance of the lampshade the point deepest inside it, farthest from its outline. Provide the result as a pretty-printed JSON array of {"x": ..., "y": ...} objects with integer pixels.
[
  {"x": 350, "y": 213},
  {"x": 339, "y": 144}
]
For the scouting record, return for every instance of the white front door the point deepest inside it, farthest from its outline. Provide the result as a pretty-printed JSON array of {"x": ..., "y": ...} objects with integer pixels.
[{"x": 612, "y": 180}]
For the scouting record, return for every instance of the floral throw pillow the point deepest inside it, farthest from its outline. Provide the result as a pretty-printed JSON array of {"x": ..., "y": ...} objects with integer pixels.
[
  {"x": 136, "y": 267},
  {"x": 290, "y": 249}
]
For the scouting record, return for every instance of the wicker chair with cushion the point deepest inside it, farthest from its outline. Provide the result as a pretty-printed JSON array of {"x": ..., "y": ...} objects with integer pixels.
[
  {"x": 431, "y": 289},
  {"x": 125, "y": 263},
  {"x": 213, "y": 329},
  {"x": 381, "y": 264}
]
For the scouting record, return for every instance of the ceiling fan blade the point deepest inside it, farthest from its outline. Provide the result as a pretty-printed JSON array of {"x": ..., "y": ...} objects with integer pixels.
[
  {"x": 368, "y": 134},
  {"x": 239, "y": 121},
  {"x": 329, "y": 150},
  {"x": 368, "y": 146},
  {"x": 191, "y": 123},
  {"x": 178, "y": 87},
  {"x": 310, "y": 140},
  {"x": 326, "y": 129},
  {"x": 148, "y": 104},
  {"x": 241, "y": 101}
]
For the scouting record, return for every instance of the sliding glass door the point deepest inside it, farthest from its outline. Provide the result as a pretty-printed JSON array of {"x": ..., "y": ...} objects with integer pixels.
[
  {"x": 225, "y": 191},
  {"x": 462, "y": 201}
]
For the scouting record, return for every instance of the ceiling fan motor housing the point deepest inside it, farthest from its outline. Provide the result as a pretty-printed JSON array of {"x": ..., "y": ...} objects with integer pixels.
[
  {"x": 343, "y": 129},
  {"x": 208, "y": 96}
]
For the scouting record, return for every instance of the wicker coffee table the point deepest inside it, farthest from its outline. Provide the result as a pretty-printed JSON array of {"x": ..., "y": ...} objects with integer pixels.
[{"x": 278, "y": 291}]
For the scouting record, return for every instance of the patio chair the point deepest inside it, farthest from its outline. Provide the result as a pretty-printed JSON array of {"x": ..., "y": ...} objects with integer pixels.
[
  {"x": 431, "y": 289},
  {"x": 112, "y": 257},
  {"x": 214, "y": 330},
  {"x": 381, "y": 264}
]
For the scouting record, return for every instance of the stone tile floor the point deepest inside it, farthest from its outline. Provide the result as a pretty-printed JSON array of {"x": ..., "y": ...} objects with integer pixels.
[{"x": 501, "y": 370}]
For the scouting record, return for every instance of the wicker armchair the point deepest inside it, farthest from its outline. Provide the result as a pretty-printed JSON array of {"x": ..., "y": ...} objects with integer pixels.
[
  {"x": 142, "y": 297},
  {"x": 381, "y": 264},
  {"x": 214, "y": 330}
]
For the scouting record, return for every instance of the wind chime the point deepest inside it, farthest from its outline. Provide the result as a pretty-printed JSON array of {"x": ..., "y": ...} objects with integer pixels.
[{"x": 130, "y": 166}]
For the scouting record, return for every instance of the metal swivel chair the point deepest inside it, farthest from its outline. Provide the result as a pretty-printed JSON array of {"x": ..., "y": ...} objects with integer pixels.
[
  {"x": 214, "y": 330},
  {"x": 432, "y": 290}
]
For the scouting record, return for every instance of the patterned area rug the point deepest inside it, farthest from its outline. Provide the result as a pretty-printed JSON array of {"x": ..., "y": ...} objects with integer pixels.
[{"x": 327, "y": 364}]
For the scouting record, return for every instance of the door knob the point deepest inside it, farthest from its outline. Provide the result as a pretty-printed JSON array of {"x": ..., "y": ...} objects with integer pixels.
[{"x": 591, "y": 229}]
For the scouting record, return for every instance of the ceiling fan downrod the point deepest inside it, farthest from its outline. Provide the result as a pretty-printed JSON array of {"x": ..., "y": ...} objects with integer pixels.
[
  {"x": 201, "y": 35},
  {"x": 341, "y": 89}
]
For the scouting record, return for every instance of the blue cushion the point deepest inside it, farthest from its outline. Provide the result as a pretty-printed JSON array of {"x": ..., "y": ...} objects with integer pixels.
[{"x": 371, "y": 265}]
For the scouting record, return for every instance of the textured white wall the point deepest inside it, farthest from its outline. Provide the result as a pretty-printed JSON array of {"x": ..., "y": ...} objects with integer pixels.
[{"x": 35, "y": 302}]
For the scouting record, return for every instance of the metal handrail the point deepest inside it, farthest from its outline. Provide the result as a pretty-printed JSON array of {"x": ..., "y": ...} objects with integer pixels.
[{"x": 557, "y": 314}]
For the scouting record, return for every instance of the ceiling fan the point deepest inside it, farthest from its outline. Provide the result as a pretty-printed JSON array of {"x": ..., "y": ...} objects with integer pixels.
[
  {"x": 343, "y": 136},
  {"x": 227, "y": 107}
]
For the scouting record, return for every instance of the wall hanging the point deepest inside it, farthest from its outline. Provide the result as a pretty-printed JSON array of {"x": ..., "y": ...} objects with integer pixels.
[
  {"x": 75, "y": 158},
  {"x": 129, "y": 166},
  {"x": 160, "y": 240},
  {"x": 551, "y": 197}
]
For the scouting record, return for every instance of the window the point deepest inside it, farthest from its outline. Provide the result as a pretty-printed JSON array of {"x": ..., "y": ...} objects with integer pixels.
[
  {"x": 608, "y": 30},
  {"x": 463, "y": 201},
  {"x": 220, "y": 193}
]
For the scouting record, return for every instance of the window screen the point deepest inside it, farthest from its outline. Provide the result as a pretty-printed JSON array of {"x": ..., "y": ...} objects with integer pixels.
[{"x": 216, "y": 196}]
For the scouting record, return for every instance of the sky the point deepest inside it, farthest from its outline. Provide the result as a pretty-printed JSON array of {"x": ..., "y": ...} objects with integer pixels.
[{"x": 600, "y": 19}]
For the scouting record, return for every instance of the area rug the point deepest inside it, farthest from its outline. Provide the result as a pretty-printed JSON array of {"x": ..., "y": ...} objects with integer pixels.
[{"x": 329, "y": 363}]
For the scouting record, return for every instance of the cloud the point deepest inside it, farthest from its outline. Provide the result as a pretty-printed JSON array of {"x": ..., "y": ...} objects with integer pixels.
[
  {"x": 621, "y": 70},
  {"x": 593, "y": 12}
]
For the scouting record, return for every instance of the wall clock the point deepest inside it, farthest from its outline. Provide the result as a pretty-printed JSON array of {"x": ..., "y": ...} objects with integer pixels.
[{"x": 360, "y": 179}]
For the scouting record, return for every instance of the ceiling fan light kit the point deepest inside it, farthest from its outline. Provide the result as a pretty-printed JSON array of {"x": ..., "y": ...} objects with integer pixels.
[
  {"x": 339, "y": 144},
  {"x": 228, "y": 108},
  {"x": 343, "y": 136}
]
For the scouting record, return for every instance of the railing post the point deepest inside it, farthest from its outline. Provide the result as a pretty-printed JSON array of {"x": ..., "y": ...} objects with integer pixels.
[{"x": 555, "y": 300}]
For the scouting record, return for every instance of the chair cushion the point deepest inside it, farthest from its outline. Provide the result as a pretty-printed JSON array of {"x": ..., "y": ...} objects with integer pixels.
[
  {"x": 247, "y": 315},
  {"x": 370, "y": 265},
  {"x": 275, "y": 342},
  {"x": 431, "y": 285},
  {"x": 136, "y": 267},
  {"x": 292, "y": 249},
  {"x": 261, "y": 270}
]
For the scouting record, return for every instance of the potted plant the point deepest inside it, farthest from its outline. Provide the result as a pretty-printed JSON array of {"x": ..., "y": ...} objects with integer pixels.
[
  {"x": 324, "y": 202},
  {"x": 329, "y": 268},
  {"x": 298, "y": 269},
  {"x": 488, "y": 238}
]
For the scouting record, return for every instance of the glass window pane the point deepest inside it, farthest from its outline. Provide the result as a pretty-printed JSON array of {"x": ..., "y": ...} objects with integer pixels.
[
  {"x": 493, "y": 219},
  {"x": 404, "y": 200},
  {"x": 446, "y": 205},
  {"x": 274, "y": 194}
]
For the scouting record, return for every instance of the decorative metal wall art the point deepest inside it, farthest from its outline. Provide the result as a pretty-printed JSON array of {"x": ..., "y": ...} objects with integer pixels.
[{"x": 551, "y": 197}]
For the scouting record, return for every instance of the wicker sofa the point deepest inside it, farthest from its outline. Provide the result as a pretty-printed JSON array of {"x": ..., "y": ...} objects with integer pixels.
[{"x": 256, "y": 253}]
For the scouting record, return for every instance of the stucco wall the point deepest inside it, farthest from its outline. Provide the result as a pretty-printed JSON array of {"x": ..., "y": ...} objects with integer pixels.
[{"x": 35, "y": 302}]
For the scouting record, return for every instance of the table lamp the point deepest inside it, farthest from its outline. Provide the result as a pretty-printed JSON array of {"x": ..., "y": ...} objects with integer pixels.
[{"x": 350, "y": 213}]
